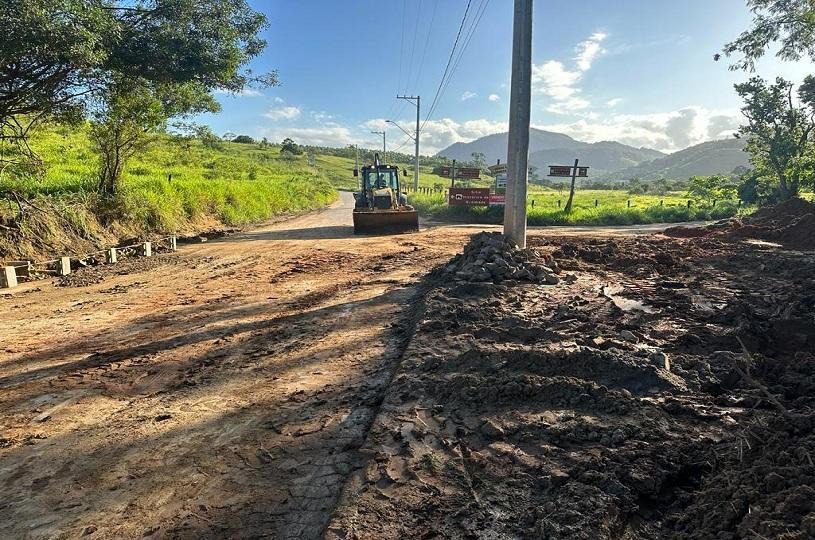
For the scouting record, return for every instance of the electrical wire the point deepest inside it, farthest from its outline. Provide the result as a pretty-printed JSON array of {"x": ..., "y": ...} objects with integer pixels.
[
  {"x": 449, "y": 61},
  {"x": 471, "y": 31}
]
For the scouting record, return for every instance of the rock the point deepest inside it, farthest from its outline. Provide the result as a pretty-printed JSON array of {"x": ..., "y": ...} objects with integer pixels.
[
  {"x": 618, "y": 436},
  {"x": 660, "y": 360},
  {"x": 490, "y": 430},
  {"x": 629, "y": 336}
]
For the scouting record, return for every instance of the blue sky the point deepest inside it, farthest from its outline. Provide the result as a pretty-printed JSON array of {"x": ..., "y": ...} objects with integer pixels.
[{"x": 637, "y": 71}]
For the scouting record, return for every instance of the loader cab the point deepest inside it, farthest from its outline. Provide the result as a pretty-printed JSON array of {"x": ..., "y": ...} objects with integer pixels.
[{"x": 382, "y": 177}]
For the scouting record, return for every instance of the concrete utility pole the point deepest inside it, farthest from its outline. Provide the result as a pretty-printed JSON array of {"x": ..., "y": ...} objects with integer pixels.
[
  {"x": 418, "y": 103},
  {"x": 519, "y": 103}
]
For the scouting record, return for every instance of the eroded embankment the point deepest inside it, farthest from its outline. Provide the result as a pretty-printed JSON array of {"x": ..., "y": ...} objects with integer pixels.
[{"x": 530, "y": 411}]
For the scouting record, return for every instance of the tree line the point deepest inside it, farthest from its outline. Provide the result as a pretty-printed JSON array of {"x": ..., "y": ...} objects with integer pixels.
[{"x": 127, "y": 68}]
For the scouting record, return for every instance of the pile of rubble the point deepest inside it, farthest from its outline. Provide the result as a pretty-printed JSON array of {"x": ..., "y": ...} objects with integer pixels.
[{"x": 492, "y": 258}]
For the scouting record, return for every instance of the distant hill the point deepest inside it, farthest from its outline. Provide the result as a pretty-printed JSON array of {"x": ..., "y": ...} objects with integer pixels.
[
  {"x": 713, "y": 157},
  {"x": 610, "y": 160},
  {"x": 549, "y": 148}
]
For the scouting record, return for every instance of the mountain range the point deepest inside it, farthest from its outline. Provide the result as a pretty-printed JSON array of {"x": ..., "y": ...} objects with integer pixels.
[{"x": 609, "y": 160}]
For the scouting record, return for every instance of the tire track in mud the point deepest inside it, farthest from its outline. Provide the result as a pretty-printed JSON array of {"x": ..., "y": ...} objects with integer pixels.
[{"x": 315, "y": 495}]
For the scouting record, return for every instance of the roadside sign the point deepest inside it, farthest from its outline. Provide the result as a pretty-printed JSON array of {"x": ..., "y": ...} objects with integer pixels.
[
  {"x": 467, "y": 173},
  {"x": 501, "y": 181},
  {"x": 498, "y": 199},
  {"x": 566, "y": 170},
  {"x": 469, "y": 196}
]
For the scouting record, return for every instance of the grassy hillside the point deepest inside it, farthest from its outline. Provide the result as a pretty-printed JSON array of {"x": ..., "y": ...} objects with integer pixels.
[{"x": 172, "y": 185}]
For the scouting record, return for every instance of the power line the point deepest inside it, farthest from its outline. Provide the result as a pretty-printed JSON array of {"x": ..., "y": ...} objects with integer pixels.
[
  {"x": 449, "y": 60},
  {"x": 482, "y": 8},
  {"x": 413, "y": 45},
  {"x": 426, "y": 43}
]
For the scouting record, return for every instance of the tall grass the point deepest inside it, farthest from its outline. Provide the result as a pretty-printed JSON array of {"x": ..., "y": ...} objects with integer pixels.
[
  {"x": 644, "y": 209},
  {"x": 174, "y": 182}
]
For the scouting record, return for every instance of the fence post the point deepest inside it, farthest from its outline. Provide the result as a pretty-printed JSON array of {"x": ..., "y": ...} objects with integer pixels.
[
  {"x": 110, "y": 256},
  {"x": 533, "y": 203},
  {"x": 147, "y": 249},
  {"x": 629, "y": 203},
  {"x": 714, "y": 203},
  {"x": 558, "y": 203},
  {"x": 739, "y": 203},
  {"x": 174, "y": 243},
  {"x": 688, "y": 203},
  {"x": 8, "y": 277},
  {"x": 596, "y": 202},
  {"x": 662, "y": 202},
  {"x": 64, "y": 267}
]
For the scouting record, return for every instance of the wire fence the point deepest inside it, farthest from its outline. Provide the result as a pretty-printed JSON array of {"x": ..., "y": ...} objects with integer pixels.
[{"x": 548, "y": 201}]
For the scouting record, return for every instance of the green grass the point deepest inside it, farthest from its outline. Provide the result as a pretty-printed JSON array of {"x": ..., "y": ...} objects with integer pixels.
[
  {"x": 173, "y": 183},
  {"x": 612, "y": 209}
]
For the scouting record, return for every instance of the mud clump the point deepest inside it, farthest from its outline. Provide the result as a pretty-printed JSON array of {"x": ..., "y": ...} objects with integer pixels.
[
  {"x": 790, "y": 223},
  {"x": 551, "y": 412},
  {"x": 491, "y": 257}
]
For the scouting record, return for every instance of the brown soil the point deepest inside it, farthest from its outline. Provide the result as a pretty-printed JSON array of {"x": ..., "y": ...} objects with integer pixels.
[
  {"x": 548, "y": 412},
  {"x": 791, "y": 223},
  {"x": 299, "y": 382}
]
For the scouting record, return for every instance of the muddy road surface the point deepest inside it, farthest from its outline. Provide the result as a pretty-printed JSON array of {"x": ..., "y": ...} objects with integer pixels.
[
  {"x": 224, "y": 391},
  {"x": 221, "y": 391}
]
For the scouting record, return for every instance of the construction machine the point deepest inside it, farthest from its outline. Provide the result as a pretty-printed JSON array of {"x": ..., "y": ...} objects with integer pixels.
[{"x": 380, "y": 206}]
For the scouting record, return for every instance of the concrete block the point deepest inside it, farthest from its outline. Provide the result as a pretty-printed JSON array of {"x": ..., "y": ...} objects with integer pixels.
[
  {"x": 147, "y": 249},
  {"x": 24, "y": 268},
  {"x": 8, "y": 277},
  {"x": 110, "y": 256},
  {"x": 64, "y": 266}
]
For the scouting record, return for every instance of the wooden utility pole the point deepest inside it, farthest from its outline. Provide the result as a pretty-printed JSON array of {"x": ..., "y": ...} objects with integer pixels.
[
  {"x": 519, "y": 104},
  {"x": 568, "y": 208}
]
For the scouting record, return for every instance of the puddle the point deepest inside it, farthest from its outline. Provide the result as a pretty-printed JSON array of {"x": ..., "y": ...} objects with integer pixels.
[{"x": 614, "y": 293}]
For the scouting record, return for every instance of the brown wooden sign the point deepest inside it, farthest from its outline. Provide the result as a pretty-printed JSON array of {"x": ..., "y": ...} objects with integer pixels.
[
  {"x": 469, "y": 197},
  {"x": 566, "y": 170},
  {"x": 467, "y": 173}
]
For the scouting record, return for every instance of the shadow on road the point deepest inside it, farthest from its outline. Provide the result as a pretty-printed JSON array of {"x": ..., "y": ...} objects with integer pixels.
[{"x": 311, "y": 233}]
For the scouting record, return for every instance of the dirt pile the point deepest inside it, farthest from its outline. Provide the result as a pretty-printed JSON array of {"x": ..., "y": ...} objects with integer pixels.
[
  {"x": 791, "y": 223},
  {"x": 553, "y": 412},
  {"x": 492, "y": 258}
]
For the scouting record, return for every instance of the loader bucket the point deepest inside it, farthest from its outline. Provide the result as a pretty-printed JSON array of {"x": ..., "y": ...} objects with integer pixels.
[{"x": 385, "y": 221}]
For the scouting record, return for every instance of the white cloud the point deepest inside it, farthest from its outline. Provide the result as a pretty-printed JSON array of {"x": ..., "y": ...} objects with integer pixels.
[
  {"x": 554, "y": 80},
  {"x": 317, "y": 136},
  {"x": 666, "y": 131},
  {"x": 590, "y": 49},
  {"x": 283, "y": 113},
  {"x": 437, "y": 134},
  {"x": 278, "y": 100},
  {"x": 614, "y": 102},
  {"x": 468, "y": 95},
  {"x": 494, "y": 97}
]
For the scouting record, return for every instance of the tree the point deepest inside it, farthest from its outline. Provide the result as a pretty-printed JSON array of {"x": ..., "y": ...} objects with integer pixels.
[
  {"x": 779, "y": 130},
  {"x": 243, "y": 139},
  {"x": 712, "y": 188},
  {"x": 58, "y": 58},
  {"x": 127, "y": 110},
  {"x": 479, "y": 160},
  {"x": 290, "y": 147},
  {"x": 792, "y": 22}
]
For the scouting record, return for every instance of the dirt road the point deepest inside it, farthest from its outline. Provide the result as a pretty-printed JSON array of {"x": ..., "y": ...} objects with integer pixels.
[{"x": 221, "y": 391}]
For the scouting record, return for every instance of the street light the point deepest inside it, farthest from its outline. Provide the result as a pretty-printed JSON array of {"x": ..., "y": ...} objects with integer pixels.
[{"x": 412, "y": 137}]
